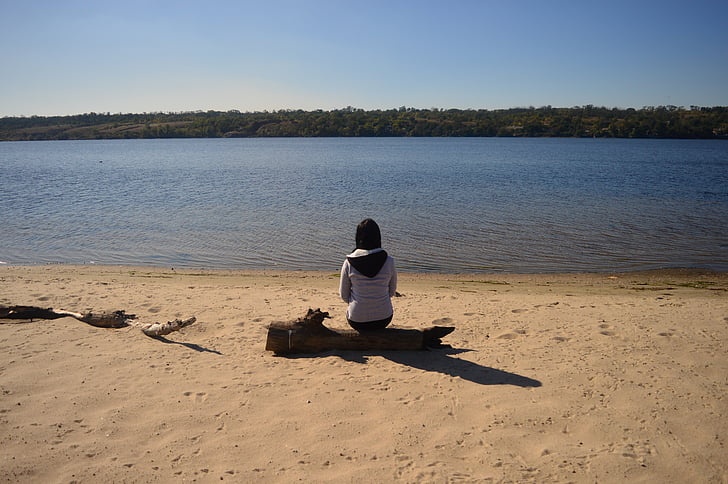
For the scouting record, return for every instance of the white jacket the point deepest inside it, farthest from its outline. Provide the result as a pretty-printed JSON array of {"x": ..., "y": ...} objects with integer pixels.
[{"x": 369, "y": 298}]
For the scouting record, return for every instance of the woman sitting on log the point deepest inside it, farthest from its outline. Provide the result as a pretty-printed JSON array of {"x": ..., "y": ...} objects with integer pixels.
[{"x": 368, "y": 280}]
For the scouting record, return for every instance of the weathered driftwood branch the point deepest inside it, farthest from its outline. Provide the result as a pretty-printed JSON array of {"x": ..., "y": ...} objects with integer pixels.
[
  {"x": 160, "y": 329},
  {"x": 308, "y": 335},
  {"x": 114, "y": 319}
]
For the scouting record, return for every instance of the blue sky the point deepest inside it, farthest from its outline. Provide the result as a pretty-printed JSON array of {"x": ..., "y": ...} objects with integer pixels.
[{"x": 68, "y": 57}]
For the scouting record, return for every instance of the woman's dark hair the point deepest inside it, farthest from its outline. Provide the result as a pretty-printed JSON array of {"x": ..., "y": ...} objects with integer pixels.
[{"x": 368, "y": 236}]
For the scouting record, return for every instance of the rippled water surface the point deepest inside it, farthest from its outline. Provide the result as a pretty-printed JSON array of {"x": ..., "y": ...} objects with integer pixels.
[{"x": 444, "y": 204}]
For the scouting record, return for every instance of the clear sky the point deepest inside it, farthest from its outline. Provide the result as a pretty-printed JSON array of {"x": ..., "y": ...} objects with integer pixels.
[{"x": 131, "y": 56}]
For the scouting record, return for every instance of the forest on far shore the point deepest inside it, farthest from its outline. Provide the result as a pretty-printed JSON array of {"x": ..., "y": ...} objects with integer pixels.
[{"x": 577, "y": 122}]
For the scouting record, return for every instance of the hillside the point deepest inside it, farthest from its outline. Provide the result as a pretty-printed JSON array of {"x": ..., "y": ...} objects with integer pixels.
[{"x": 586, "y": 121}]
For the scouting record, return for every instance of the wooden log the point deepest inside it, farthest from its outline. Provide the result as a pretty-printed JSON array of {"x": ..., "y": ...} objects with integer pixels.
[
  {"x": 309, "y": 335},
  {"x": 114, "y": 319},
  {"x": 28, "y": 312},
  {"x": 159, "y": 329}
]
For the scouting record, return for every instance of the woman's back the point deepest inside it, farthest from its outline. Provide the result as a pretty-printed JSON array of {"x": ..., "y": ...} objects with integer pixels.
[{"x": 368, "y": 280}]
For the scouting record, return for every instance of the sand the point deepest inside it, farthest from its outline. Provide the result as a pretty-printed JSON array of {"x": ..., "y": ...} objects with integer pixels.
[{"x": 550, "y": 378}]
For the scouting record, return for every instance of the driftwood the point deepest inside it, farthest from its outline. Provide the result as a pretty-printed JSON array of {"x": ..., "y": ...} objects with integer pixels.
[
  {"x": 308, "y": 335},
  {"x": 114, "y": 319},
  {"x": 159, "y": 329}
]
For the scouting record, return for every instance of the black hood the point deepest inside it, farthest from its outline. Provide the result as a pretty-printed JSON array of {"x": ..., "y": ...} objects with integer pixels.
[{"x": 370, "y": 264}]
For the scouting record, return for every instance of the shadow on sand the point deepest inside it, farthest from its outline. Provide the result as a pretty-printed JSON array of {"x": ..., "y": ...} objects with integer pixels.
[
  {"x": 440, "y": 360},
  {"x": 191, "y": 346}
]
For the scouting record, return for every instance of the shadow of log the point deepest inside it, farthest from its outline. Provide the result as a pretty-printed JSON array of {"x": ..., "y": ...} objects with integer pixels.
[
  {"x": 442, "y": 361},
  {"x": 191, "y": 346},
  {"x": 439, "y": 360}
]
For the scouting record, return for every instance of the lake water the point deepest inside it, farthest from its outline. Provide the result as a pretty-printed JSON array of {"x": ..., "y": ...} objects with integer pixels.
[{"x": 444, "y": 204}]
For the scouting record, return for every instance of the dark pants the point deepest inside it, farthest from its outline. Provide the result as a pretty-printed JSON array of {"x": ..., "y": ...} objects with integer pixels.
[{"x": 370, "y": 325}]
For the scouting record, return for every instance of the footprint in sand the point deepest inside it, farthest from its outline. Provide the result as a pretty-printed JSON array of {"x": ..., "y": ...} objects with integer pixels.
[
  {"x": 441, "y": 321},
  {"x": 198, "y": 397},
  {"x": 519, "y": 310},
  {"x": 607, "y": 330},
  {"x": 512, "y": 335},
  {"x": 547, "y": 305},
  {"x": 407, "y": 400}
]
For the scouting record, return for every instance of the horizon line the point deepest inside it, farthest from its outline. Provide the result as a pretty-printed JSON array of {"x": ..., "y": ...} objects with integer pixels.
[{"x": 350, "y": 108}]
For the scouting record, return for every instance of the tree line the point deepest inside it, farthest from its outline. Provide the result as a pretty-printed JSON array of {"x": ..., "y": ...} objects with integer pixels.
[{"x": 580, "y": 121}]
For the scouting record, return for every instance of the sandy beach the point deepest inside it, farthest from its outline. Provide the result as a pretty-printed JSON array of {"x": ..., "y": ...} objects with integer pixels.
[{"x": 550, "y": 378}]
